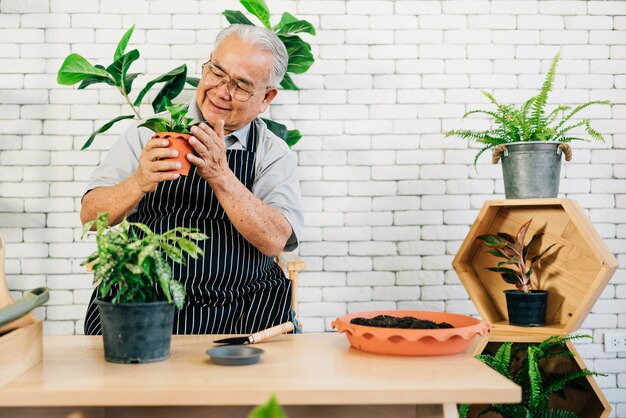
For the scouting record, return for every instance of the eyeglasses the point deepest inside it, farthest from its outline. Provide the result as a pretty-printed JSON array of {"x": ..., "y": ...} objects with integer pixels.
[{"x": 238, "y": 90}]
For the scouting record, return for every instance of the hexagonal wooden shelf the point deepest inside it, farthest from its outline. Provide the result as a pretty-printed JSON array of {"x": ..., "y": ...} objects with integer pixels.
[
  {"x": 586, "y": 401},
  {"x": 574, "y": 272}
]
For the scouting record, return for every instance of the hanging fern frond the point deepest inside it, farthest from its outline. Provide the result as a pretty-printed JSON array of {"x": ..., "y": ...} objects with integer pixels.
[
  {"x": 579, "y": 108},
  {"x": 525, "y": 366},
  {"x": 542, "y": 98},
  {"x": 562, "y": 382},
  {"x": 536, "y": 398},
  {"x": 559, "y": 413},
  {"x": 555, "y": 113}
]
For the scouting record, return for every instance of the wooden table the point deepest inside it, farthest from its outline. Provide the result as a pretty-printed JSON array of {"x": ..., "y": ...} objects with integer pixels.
[{"x": 313, "y": 375}]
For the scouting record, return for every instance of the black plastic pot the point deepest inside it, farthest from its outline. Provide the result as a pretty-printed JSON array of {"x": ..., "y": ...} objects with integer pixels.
[
  {"x": 526, "y": 309},
  {"x": 136, "y": 332}
]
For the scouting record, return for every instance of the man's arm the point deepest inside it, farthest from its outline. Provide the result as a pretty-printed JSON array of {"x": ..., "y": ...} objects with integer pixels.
[
  {"x": 120, "y": 199},
  {"x": 260, "y": 224}
]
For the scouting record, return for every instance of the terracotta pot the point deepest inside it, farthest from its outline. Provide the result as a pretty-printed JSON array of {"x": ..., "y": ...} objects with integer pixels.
[
  {"x": 179, "y": 142},
  {"x": 412, "y": 342}
]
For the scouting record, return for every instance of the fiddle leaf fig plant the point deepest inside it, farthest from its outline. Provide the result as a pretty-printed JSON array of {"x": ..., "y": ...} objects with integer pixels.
[
  {"x": 133, "y": 260},
  {"x": 77, "y": 69},
  {"x": 299, "y": 51},
  {"x": 514, "y": 253},
  {"x": 531, "y": 121}
]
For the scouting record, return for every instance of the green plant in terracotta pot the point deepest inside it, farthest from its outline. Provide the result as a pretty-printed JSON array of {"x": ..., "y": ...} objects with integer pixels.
[
  {"x": 137, "y": 293},
  {"x": 530, "y": 140},
  {"x": 176, "y": 129},
  {"x": 525, "y": 306}
]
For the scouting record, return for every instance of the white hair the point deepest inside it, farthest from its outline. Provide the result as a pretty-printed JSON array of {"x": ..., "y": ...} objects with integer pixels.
[{"x": 264, "y": 39}]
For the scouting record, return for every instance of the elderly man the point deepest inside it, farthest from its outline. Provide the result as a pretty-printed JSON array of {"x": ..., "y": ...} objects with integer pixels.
[{"x": 242, "y": 191}]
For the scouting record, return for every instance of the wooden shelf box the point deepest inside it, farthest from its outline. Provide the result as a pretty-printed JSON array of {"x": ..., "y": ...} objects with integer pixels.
[
  {"x": 575, "y": 271},
  {"x": 586, "y": 400},
  {"x": 20, "y": 350}
]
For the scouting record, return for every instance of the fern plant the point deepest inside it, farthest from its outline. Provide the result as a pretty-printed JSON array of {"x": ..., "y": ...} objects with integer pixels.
[
  {"x": 135, "y": 267},
  {"x": 530, "y": 122},
  {"x": 525, "y": 364}
]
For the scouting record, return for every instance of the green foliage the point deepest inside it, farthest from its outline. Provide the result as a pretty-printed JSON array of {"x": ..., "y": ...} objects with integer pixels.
[
  {"x": 514, "y": 253},
  {"x": 137, "y": 266},
  {"x": 529, "y": 122},
  {"x": 76, "y": 69},
  {"x": 176, "y": 122},
  {"x": 527, "y": 365},
  {"x": 299, "y": 51},
  {"x": 269, "y": 410}
]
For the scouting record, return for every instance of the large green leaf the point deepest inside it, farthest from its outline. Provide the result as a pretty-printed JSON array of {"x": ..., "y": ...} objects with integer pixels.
[
  {"x": 160, "y": 79},
  {"x": 287, "y": 83},
  {"x": 155, "y": 124},
  {"x": 193, "y": 81},
  {"x": 290, "y": 24},
  {"x": 128, "y": 81},
  {"x": 235, "y": 16},
  {"x": 75, "y": 68},
  {"x": 104, "y": 128},
  {"x": 259, "y": 9},
  {"x": 293, "y": 136},
  {"x": 120, "y": 67},
  {"x": 94, "y": 80},
  {"x": 278, "y": 129},
  {"x": 121, "y": 46},
  {"x": 300, "y": 56},
  {"x": 170, "y": 90}
]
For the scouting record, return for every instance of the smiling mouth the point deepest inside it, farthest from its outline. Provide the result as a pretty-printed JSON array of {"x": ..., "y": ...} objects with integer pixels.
[{"x": 223, "y": 109}]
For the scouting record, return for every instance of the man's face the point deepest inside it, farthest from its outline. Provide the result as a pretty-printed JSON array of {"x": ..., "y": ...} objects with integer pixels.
[{"x": 244, "y": 63}]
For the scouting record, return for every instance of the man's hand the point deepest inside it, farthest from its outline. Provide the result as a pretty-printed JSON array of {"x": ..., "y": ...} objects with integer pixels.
[
  {"x": 153, "y": 167},
  {"x": 211, "y": 161}
]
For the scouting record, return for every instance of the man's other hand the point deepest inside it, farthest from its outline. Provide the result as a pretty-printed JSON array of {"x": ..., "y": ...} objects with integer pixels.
[
  {"x": 211, "y": 161},
  {"x": 153, "y": 165}
]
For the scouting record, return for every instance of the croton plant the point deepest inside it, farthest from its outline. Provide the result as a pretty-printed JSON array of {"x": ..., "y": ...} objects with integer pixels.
[{"x": 514, "y": 253}]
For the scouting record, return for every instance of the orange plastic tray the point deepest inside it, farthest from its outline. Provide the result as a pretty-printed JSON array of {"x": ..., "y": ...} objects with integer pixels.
[{"x": 412, "y": 342}]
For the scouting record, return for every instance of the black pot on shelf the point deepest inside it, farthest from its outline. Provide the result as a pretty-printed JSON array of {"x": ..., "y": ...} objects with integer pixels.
[
  {"x": 526, "y": 309},
  {"x": 136, "y": 332}
]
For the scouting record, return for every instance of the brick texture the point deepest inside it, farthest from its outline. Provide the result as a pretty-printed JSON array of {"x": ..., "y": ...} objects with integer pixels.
[{"x": 388, "y": 199}]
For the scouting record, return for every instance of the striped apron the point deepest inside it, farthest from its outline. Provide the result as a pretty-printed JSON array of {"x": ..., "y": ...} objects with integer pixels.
[{"x": 233, "y": 288}]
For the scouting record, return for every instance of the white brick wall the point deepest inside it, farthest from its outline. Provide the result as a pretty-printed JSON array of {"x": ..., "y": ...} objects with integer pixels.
[{"x": 388, "y": 199}]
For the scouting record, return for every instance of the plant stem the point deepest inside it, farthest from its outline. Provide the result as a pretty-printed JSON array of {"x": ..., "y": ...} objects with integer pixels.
[{"x": 135, "y": 111}]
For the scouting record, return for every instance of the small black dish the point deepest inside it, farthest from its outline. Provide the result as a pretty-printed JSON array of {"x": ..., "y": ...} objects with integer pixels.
[{"x": 235, "y": 355}]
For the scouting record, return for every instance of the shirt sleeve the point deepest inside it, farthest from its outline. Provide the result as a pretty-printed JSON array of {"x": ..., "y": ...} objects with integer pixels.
[{"x": 276, "y": 182}]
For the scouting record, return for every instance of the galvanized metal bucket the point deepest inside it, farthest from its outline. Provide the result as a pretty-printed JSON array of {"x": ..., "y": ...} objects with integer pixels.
[{"x": 531, "y": 169}]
